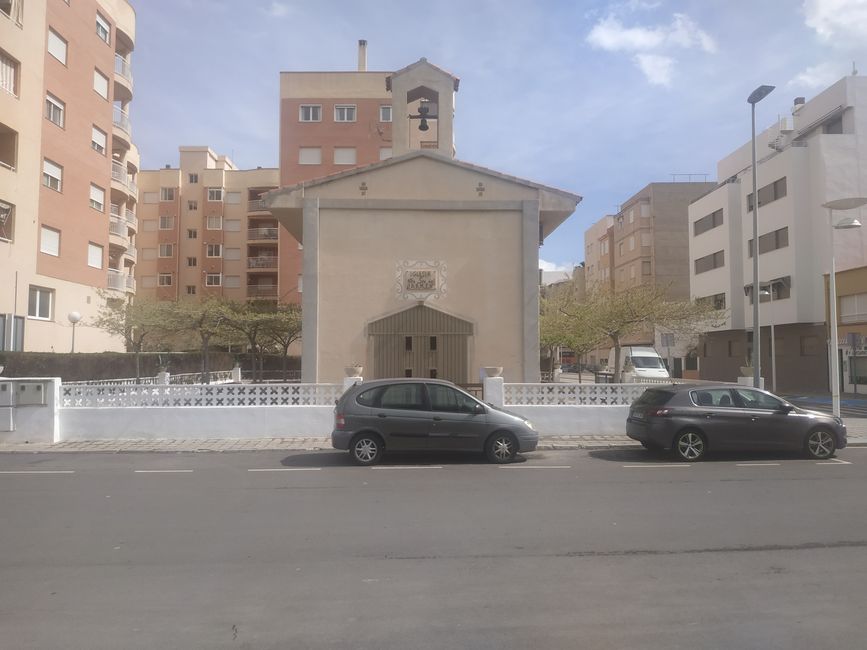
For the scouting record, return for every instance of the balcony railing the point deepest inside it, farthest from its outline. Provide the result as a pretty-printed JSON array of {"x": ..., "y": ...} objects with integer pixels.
[
  {"x": 118, "y": 173},
  {"x": 131, "y": 219},
  {"x": 117, "y": 226},
  {"x": 262, "y": 290},
  {"x": 257, "y": 205},
  {"x": 122, "y": 67},
  {"x": 114, "y": 209},
  {"x": 262, "y": 262},
  {"x": 120, "y": 119},
  {"x": 262, "y": 233},
  {"x": 131, "y": 253},
  {"x": 117, "y": 280}
]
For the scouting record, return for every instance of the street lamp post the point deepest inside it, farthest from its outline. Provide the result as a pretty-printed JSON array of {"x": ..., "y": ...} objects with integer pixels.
[
  {"x": 73, "y": 317},
  {"x": 770, "y": 293},
  {"x": 755, "y": 97},
  {"x": 844, "y": 224}
]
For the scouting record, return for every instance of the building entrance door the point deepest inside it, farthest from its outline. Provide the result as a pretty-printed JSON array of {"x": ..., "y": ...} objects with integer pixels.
[{"x": 421, "y": 342}]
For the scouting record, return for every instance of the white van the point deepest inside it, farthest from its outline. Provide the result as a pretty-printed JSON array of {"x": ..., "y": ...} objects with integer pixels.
[{"x": 642, "y": 362}]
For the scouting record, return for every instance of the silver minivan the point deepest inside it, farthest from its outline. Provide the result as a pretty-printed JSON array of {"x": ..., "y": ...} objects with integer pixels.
[{"x": 416, "y": 414}]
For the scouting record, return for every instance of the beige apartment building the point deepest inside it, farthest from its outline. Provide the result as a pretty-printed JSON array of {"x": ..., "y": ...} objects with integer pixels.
[
  {"x": 68, "y": 170},
  {"x": 205, "y": 232},
  {"x": 646, "y": 242}
]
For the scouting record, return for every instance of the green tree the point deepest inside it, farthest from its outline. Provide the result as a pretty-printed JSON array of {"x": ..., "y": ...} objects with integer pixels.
[
  {"x": 282, "y": 329},
  {"x": 252, "y": 320},
  {"x": 206, "y": 319}
]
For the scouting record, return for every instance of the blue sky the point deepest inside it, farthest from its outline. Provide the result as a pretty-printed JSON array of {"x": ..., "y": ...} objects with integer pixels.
[{"x": 596, "y": 98}]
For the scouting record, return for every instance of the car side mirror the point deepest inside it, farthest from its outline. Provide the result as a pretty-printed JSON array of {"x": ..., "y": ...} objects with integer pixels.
[
  {"x": 478, "y": 409},
  {"x": 786, "y": 409}
]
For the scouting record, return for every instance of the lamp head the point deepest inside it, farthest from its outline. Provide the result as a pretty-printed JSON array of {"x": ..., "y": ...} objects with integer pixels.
[
  {"x": 847, "y": 223},
  {"x": 74, "y": 317},
  {"x": 759, "y": 94},
  {"x": 846, "y": 204}
]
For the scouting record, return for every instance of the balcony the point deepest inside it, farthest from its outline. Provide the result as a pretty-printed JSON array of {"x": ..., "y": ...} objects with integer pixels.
[
  {"x": 118, "y": 281},
  {"x": 131, "y": 254},
  {"x": 117, "y": 226},
  {"x": 262, "y": 262},
  {"x": 261, "y": 290},
  {"x": 257, "y": 205},
  {"x": 122, "y": 180},
  {"x": 120, "y": 119},
  {"x": 270, "y": 233},
  {"x": 131, "y": 220},
  {"x": 122, "y": 67}
]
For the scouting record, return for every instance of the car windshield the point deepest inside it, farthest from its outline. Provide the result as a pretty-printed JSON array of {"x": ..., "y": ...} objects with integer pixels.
[
  {"x": 654, "y": 397},
  {"x": 647, "y": 362}
]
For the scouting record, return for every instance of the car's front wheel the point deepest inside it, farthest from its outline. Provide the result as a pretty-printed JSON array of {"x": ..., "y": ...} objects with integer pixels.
[
  {"x": 366, "y": 449},
  {"x": 689, "y": 446},
  {"x": 501, "y": 447},
  {"x": 820, "y": 444}
]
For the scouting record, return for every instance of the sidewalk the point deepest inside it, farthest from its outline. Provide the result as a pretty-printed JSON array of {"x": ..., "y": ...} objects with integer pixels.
[{"x": 857, "y": 438}]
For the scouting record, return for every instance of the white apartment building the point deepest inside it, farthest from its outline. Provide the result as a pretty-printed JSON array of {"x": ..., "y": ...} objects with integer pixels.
[{"x": 817, "y": 154}]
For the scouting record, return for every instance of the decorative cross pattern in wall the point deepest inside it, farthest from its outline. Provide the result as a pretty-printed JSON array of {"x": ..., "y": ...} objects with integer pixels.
[
  {"x": 571, "y": 394},
  {"x": 420, "y": 279}
]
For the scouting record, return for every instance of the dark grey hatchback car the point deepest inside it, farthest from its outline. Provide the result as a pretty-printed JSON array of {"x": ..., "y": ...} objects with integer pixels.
[
  {"x": 691, "y": 419},
  {"x": 425, "y": 414}
]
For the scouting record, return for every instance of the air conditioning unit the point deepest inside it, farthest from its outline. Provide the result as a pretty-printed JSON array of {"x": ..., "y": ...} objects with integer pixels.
[{"x": 787, "y": 125}]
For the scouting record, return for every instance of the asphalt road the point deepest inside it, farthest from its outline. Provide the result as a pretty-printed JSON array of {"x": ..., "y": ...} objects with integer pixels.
[{"x": 606, "y": 549}]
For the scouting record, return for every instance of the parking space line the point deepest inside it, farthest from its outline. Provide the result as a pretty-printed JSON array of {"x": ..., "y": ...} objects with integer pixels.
[
  {"x": 534, "y": 466},
  {"x": 407, "y": 467},
  {"x": 834, "y": 461},
  {"x": 40, "y": 471},
  {"x": 655, "y": 466},
  {"x": 757, "y": 464},
  {"x": 163, "y": 471},
  {"x": 285, "y": 469}
]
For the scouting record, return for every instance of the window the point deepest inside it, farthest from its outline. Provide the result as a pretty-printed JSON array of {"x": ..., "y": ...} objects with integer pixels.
[
  {"x": 167, "y": 250},
  {"x": 632, "y": 242},
  {"x": 834, "y": 126},
  {"x": 55, "y": 110},
  {"x": 753, "y": 399},
  {"x": 710, "y": 262},
  {"x": 192, "y": 205},
  {"x": 57, "y": 46},
  {"x": 7, "y": 221},
  {"x": 94, "y": 255},
  {"x": 709, "y": 222},
  {"x": 718, "y": 397},
  {"x": 231, "y": 254},
  {"x": 97, "y": 197},
  {"x": 384, "y": 153},
  {"x": 52, "y": 175},
  {"x": 403, "y": 396},
  {"x": 192, "y": 233},
  {"x": 103, "y": 29},
  {"x": 718, "y": 300},
  {"x": 149, "y": 225},
  {"x": 344, "y": 155},
  {"x": 100, "y": 84},
  {"x": 768, "y": 193},
  {"x": 646, "y": 239},
  {"x": 407, "y": 343},
  {"x": 631, "y": 215},
  {"x": 191, "y": 261},
  {"x": 9, "y": 74},
  {"x": 620, "y": 249},
  {"x": 215, "y": 222},
  {"x": 232, "y": 281},
  {"x": 310, "y": 156},
  {"x": 233, "y": 198},
  {"x": 167, "y": 194},
  {"x": 632, "y": 272},
  {"x": 645, "y": 269},
  {"x": 8, "y": 147},
  {"x": 433, "y": 343},
  {"x": 853, "y": 309},
  {"x": 149, "y": 254},
  {"x": 645, "y": 210},
  {"x": 191, "y": 290},
  {"x": 194, "y": 178},
  {"x": 385, "y": 113},
  {"x": 167, "y": 223},
  {"x": 213, "y": 280},
  {"x": 310, "y": 113},
  {"x": 215, "y": 250},
  {"x": 151, "y": 197},
  {"x": 164, "y": 280},
  {"x": 39, "y": 304},
  {"x": 770, "y": 241},
  {"x": 97, "y": 140},
  {"x": 445, "y": 398},
  {"x": 49, "y": 241},
  {"x": 232, "y": 225},
  {"x": 344, "y": 113},
  {"x": 215, "y": 194}
]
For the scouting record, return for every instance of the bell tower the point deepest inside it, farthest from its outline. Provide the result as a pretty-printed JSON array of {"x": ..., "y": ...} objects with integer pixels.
[{"x": 423, "y": 109}]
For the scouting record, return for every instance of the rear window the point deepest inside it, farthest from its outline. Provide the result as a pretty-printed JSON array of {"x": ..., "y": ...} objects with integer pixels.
[
  {"x": 369, "y": 397},
  {"x": 654, "y": 397}
]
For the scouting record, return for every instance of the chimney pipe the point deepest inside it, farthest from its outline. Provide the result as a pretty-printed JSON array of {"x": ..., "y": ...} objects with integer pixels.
[{"x": 362, "y": 56}]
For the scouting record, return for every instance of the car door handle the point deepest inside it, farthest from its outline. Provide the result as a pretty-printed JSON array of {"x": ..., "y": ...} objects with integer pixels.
[
  {"x": 437, "y": 419},
  {"x": 754, "y": 419},
  {"x": 381, "y": 415},
  {"x": 708, "y": 415}
]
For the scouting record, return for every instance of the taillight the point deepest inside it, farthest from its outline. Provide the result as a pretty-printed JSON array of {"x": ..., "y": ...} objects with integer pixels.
[
  {"x": 339, "y": 421},
  {"x": 658, "y": 413}
]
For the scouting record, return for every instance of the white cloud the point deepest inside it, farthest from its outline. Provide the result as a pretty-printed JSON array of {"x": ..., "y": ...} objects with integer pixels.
[
  {"x": 552, "y": 266},
  {"x": 652, "y": 43},
  {"x": 278, "y": 9},
  {"x": 838, "y": 22},
  {"x": 656, "y": 68},
  {"x": 818, "y": 76}
]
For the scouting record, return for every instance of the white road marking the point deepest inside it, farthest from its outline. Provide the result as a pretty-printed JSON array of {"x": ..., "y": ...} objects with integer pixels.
[
  {"x": 163, "y": 471},
  {"x": 286, "y": 469},
  {"x": 534, "y": 466},
  {"x": 41, "y": 471},
  {"x": 834, "y": 461},
  {"x": 757, "y": 464},
  {"x": 655, "y": 466},
  {"x": 408, "y": 467}
]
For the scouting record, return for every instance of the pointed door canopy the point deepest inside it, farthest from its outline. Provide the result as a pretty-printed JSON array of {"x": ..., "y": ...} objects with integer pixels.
[{"x": 286, "y": 203}]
